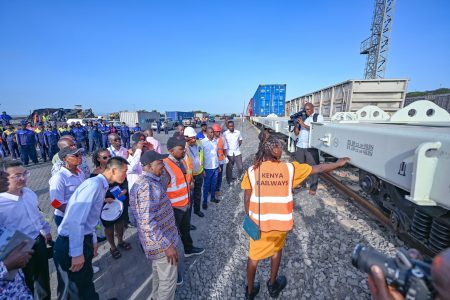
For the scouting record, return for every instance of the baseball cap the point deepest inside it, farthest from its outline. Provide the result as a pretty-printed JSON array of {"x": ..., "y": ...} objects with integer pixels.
[
  {"x": 67, "y": 151},
  {"x": 150, "y": 156},
  {"x": 173, "y": 142},
  {"x": 24, "y": 122},
  {"x": 204, "y": 124}
]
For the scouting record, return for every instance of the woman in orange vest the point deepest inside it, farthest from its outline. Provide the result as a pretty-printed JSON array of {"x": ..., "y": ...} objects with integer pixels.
[{"x": 268, "y": 201}]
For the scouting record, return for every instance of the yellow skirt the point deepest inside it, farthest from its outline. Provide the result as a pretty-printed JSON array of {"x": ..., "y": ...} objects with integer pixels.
[{"x": 270, "y": 243}]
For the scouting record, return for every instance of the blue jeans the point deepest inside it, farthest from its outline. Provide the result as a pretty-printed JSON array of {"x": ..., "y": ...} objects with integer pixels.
[{"x": 210, "y": 184}]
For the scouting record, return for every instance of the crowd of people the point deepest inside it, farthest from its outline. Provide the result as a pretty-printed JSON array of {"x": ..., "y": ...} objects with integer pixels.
[
  {"x": 161, "y": 191},
  {"x": 135, "y": 184}
]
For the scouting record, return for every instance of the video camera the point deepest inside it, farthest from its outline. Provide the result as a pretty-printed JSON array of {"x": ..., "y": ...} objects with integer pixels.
[
  {"x": 410, "y": 277},
  {"x": 293, "y": 118}
]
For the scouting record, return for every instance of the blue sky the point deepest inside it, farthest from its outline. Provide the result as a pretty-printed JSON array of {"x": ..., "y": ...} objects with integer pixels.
[{"x": 209, "y": 55}]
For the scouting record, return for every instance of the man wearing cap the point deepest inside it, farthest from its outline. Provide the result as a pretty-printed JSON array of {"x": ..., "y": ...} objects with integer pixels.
[
  {"x": 64, "y": 182},
  {"x": 76, "y": 244},
  {"x": 195, "y": 153},
  {"x": 27, "y": 144},
  {"x": 176, "y": 177},
  {"x": 40, "y": 141},
  {"x": 202, "y": 134},
  {"x": 156, "y": 226}
]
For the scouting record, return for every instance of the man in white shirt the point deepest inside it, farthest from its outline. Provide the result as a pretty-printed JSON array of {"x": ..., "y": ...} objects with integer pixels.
[
  {"x": 19, "y": 211},
  {"x": 116, "y": 148},
  {"x": 234, "y": 141},
  {"x": 304, "y": 154},
  {"x": 211, "y": 166},
  {"x": 65, "y": 181}
]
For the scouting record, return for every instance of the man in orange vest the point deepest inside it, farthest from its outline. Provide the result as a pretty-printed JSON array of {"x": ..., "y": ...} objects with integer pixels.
[
  {"x": 221, "y": 154},
  {"x": 177, "y": 177},
  {"x": 268, "y": 201}
]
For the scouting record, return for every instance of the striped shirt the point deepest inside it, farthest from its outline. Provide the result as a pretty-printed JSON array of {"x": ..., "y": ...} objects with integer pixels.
[{"x": 154, "y": 215}]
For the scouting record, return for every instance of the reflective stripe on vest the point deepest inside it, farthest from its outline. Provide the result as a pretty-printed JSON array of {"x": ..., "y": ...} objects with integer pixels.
[
  {"x": 220, "y": 149},
  {"x": 276, "y": 200},
  {"x": 178, "y": 189}
]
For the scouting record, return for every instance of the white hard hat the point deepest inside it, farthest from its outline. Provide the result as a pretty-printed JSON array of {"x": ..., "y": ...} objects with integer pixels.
[{"x": 190, "y": 132}]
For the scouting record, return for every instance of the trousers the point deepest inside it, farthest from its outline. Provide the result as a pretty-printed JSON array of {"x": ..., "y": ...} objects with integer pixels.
[
  {"x": 13, "y": 149},
  {"x": 36, "y": 271},
  {"x": 105, "y": 143},
  {"x": 44, "y": 152},
  {"x": 219, "y": 178},
  {"x": 309, "y": 156},
  {"x": 210, "y": 184},
  {"x": 27, "y": 152},
  {"x": 74, "y": 285},
  {"x": 197, "y": 193},
  {"x": 183, "y": 222},
  {"x": 126, "y": 142},
  {"x": 164, "y": 276},
  {"x": 235, "y": 159}
]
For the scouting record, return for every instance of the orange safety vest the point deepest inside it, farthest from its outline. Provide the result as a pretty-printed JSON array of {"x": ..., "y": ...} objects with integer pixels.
[
  {"x": 276, "y": 200},
  {"x": 178, "y": 189},
  {"x": 220, "y": 148}
]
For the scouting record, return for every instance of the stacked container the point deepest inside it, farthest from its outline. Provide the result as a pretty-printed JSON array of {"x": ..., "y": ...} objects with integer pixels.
[{"x": 269, "y": 99}]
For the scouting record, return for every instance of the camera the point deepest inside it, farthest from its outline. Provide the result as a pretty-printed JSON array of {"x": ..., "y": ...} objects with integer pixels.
[
  {"x": 410, "y": 277},
  {"x": 293, "y": 118}
]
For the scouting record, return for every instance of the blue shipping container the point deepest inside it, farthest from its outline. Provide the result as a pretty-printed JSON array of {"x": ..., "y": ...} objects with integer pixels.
[
  {"x": 178, "y": 116},
  {"x": 269, "y": 99}
]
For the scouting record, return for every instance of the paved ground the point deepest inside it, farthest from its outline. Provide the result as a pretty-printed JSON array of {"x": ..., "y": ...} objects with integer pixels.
[{"x": 316, "y": 258}]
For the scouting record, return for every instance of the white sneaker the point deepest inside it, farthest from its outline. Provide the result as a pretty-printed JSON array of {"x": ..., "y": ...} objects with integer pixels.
[{"x": 95, "y": 269}]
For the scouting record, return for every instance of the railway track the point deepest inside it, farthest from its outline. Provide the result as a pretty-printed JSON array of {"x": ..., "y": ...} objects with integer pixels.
[{"x": 373, "y": 211}]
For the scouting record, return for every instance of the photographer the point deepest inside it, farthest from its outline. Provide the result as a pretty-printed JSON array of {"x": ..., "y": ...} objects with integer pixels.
[
  {"x": 440, "y": 271},
  {"x": 304, "y": 154}
]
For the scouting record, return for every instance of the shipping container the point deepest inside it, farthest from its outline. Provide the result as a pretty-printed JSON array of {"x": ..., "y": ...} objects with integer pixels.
[
  {"x": 351, "y": 95},
  {"x": 178, "y": 116},
  {"x": 144, "y": 118},
  {"x": 269, "y": 99}
]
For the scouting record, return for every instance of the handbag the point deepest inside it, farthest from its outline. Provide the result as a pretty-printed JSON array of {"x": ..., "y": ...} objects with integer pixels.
[{"x": 252, "y": 229}]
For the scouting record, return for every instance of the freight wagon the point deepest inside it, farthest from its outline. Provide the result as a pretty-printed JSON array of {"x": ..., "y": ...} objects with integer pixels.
[{"x": 352, "y": 95}]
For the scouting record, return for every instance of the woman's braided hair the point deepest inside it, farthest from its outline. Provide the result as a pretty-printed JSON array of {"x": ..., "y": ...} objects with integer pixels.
[{"x": 267, "y": 143}]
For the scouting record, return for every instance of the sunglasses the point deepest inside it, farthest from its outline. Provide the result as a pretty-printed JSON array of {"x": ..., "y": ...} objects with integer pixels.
[
  {"x": 116, "y": 140},
  {"x": 106, "y": 157}
]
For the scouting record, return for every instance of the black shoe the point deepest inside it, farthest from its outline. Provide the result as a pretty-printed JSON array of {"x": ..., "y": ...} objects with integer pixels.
[
  {"x": 200, "y": 214},
  {"x": 205, "y": 206},
  {"x": 215, "y": 200},
  {"x": 255, "y": 291},
  {"x": 277, "y": 287},
  {"x": 193, "y": 227},
  {"x": 194, "y": 251}
]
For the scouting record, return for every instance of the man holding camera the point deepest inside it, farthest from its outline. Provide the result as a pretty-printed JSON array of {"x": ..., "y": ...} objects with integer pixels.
[
  {"x": 440, "y": 279},
  {"x": 304, "y": 154}
]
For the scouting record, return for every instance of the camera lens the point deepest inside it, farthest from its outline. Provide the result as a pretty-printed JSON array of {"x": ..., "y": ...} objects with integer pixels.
[{"x": 355, "y": 255}]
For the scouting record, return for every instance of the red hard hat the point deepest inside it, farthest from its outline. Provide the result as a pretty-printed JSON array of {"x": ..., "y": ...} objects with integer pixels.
[{"x": 216, "y": 127}]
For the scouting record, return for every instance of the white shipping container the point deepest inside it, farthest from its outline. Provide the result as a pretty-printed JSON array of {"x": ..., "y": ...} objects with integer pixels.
[
  {"x": 143, "y": 118},
  {"x": 351, "y": 95}
]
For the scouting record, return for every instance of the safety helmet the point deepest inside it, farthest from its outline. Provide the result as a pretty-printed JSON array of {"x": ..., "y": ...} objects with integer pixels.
[
  {"x": 216, "y": 127},
  {"x": 189, "y": 132}
]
